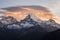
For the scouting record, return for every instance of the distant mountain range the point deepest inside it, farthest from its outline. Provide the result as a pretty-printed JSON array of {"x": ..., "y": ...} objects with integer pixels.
[{"x": 28, "y": 22}]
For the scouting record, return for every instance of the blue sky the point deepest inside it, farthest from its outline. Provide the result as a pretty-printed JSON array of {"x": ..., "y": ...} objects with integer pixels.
[{"x": 53, "y": 4}]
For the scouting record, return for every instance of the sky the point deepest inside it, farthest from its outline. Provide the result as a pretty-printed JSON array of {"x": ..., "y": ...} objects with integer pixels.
[{"x": 54, "y": 5}]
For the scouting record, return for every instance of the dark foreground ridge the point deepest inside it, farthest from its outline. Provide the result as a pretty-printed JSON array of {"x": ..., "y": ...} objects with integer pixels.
[{"x": 32, "y": 33}]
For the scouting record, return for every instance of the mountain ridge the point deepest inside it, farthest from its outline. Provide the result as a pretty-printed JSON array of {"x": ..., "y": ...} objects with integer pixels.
[{"x": 28, "y": 22}]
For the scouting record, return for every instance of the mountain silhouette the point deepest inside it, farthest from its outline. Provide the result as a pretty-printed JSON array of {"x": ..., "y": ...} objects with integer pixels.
[
  {"x": 16, "y": 31},
  {"x": 28, "y": 22}
]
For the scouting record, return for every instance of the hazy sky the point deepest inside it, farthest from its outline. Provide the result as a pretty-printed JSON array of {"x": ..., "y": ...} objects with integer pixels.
[{"x": 53, "y": 4}]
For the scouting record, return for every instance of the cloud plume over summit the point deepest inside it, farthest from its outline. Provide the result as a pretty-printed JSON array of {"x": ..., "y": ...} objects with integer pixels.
[{"x": 36, "y": 12}]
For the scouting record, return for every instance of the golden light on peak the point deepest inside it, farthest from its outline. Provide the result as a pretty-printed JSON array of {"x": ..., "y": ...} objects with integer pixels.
[{"x": 39, "y": 14}]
